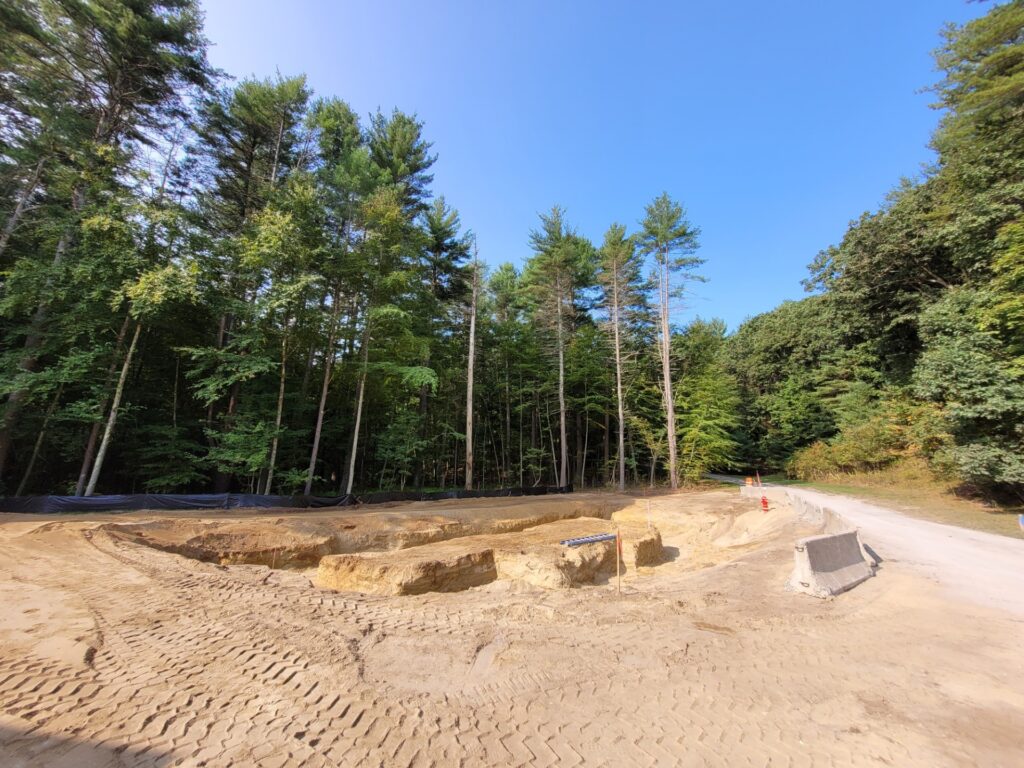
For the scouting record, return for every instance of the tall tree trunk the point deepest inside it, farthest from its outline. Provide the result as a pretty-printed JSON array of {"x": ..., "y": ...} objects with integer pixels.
[
  {"x": 277, "y": 153},
  {"x": 39, "y": 441},
  {"x": 221, "y": 332},
  {"x": 222, "y": 480},
  {"x": 106, "y": 133},
  {"x": 359, "y": 407},
  {"x": 578, "y": 435},
  {"x": 495, "y": 435},
  {"x": 508, "y": 429},
  {"x": 586, "y": 443},
  {"x": 174, "y": 397},
  {"x": 535, "y": 427},
  {"x": 19, "y": 208},
  {"x": 469, "y": 382},
  {"x": 94, "y": 431},
  {"x": 308, "y": 371},
  {"x": 90, "y": 453},
  {"x": 328, "y": 365},
  {"x": 606, "y": 447},
  {"x": 520, "y": 430},
  {"x": 616, "y": 320},
  {"x": 632, "y": 454},
  {"x": 551, "y": 435},
  {"x": 563, "y": 470},
  {"x": 423, "y": 428},
  {"x": 280, "y": 413},
  {"x": 115, "y": 406},
  {"x": 666, "y": 372}
]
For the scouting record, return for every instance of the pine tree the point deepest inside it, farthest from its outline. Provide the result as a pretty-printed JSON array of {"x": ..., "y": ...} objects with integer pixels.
[
  {"x": 620, "y": 276},
  {"x": 670, "y": 238},
  {"x": 116, "y": 73}
]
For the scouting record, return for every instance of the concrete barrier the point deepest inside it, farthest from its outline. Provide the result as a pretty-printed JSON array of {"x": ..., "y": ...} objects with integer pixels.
[
  {"x": 824, "y": 565},
  {"x": 829, "y": 564},
  {"x": 809, "y": 510}
]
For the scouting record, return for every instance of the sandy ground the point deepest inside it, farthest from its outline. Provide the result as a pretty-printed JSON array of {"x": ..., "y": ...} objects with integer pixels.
[{"x": 114, "y": 653}]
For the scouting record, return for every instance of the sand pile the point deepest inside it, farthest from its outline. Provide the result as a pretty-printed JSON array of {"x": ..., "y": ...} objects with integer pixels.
[{"x": 752, "y": 527}]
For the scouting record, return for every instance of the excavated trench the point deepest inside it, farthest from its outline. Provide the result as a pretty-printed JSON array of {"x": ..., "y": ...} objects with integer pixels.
[
  {"x": 411, "y": 549},
  {"x": 416, "y": 547}
]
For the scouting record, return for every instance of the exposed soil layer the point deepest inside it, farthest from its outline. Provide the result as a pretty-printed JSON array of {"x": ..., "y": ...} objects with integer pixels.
[
  {"x": 533, "y": 556},
  {"x": 299, "y": 540},
  {"x": 115, "y": 654}
]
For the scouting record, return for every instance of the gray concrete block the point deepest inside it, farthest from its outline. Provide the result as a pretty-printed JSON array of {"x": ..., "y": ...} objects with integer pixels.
[{"x": 830, "y": 564}]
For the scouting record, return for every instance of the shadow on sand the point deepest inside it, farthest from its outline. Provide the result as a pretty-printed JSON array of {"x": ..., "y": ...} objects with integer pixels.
[{"x": 31, "y": 748}]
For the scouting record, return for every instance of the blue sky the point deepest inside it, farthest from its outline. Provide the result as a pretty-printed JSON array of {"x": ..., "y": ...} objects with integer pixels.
[{"x": 774, "y": 123}]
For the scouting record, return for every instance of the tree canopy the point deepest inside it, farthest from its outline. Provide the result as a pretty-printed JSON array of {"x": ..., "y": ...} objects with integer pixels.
[
  {"x": 911, "y": 344},
  {"x": 211, "y": 284}
]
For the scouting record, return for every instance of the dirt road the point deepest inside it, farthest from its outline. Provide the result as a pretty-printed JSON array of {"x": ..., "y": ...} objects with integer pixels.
[
  {"x": 116, "y": 654},
  {"x": 984, "y": 568}
]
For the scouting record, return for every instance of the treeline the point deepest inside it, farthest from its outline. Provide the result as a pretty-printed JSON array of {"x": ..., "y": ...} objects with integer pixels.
[
  {"x": 912, "y": 345},
  {"x": 211, "y": 285}
]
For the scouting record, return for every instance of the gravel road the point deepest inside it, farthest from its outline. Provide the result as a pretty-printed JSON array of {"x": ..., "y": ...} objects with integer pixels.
[{"x": 984, "y": 567}]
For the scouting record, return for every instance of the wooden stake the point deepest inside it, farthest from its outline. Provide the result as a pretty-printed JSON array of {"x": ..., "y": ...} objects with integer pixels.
[{"x": 618, "y": 559}]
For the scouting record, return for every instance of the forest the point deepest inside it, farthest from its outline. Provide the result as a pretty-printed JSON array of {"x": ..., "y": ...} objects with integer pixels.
[{"x": 212, "y": 284}]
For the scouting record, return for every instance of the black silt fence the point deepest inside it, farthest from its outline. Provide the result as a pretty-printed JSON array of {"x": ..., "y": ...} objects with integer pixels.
[{"x": 50, "y": 505}]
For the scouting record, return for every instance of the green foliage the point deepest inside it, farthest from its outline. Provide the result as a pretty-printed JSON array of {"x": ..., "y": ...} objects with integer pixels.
[
  {"x": 788, "y": 366},
  {"x": 398, "y": 447},
  {"x": 411, "y": 376},
  {"x": 967, "y": 373},
  {"x": 619, "y": 274},
  {"x": 289, "y": 481},
  {"x": 275, "y": 250},
  {"x": 215, "y": 371},
  {"x": 156, "y": 288},
  {"x": 1006, "y": 310},
  {"x": 397, "y": 147},
  {"x": 983, "y": 62},
  {"x": 241, "y": 448},
  {"x": 707, "y": 401},
  {"x": 708, "y": 413},
  {"x": 669, "y": 237},
  {"x": 653, "y": 438},
  {"x": 914, "y": 346},
  {"x": 168, "y": 460},
  {"x": 898, "y": 427}
]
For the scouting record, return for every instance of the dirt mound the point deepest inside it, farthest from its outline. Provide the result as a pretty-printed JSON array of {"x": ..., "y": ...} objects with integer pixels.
[{"x": 752, "y": 527}]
